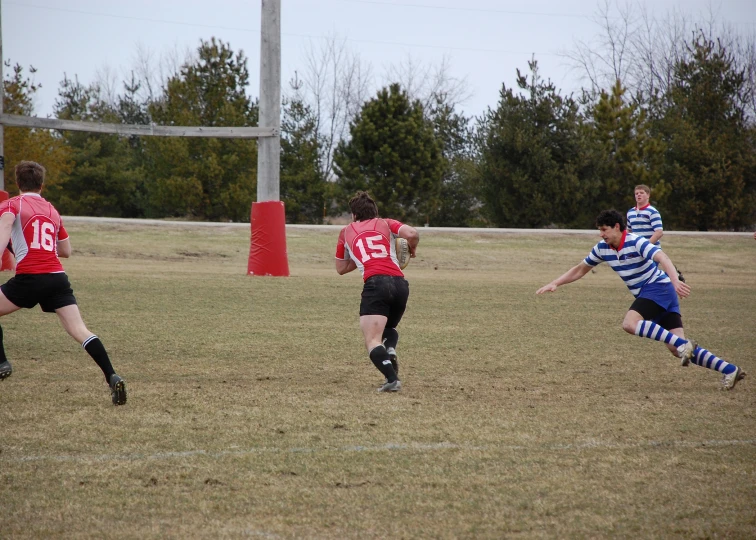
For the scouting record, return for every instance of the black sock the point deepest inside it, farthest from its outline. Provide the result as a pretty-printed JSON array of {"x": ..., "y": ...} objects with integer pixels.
[
  {"x": 3, "y": 358},
  {"x": 380, "y": 358},
  {"x": 97, "y": 351},
  {"x": 390, "y": 338}
]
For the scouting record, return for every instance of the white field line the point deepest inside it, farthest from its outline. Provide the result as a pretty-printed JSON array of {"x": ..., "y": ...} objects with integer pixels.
[
  {"x": 389, "y": 447},
  {"x": 336, "y": 228}
]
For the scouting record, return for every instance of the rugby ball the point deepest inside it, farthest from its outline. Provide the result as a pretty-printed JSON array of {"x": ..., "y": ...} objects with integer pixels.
[{"x": 402, "y": 252}]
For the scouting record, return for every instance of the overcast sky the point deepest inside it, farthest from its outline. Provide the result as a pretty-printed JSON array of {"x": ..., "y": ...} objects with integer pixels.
[{"x": 483, "y": 41}]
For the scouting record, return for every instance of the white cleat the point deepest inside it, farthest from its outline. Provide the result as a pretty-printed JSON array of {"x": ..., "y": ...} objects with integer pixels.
[
  {"x": 731, "y": 379},
  {"x": 685, "y": 352}
]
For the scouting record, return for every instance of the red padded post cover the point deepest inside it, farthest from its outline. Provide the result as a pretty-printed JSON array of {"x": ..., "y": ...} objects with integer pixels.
[{"x": 267, "y": 253}]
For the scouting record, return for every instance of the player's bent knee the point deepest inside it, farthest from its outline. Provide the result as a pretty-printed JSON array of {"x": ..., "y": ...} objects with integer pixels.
[
  {"x": 80, "y": 334},
  {"x": 77, "y": 330},
  {"x": 629, "y": 326}
]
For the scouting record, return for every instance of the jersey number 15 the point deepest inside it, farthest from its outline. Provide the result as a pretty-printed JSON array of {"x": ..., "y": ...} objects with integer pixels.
[{"x": 374, "y": 250}]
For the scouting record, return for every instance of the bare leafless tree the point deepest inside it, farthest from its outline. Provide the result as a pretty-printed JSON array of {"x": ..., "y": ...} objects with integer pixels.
[
  {"x": 335, "y": 83},
  {"x": 658, "y": 47},
  {"x": 106, "y": 80},
  {"x": 427, "y": 82},
  {"x": 606, "y": 59},
  {"x": 641, "y": 49},
  {"x": 154, "y": 72},
  {"x": 743, "y": 49}
]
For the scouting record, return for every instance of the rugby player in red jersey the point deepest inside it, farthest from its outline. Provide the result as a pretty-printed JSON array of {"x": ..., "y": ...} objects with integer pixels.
[
  {"x": 38, "y": 238},
  {"x": 368, "y": 244}
]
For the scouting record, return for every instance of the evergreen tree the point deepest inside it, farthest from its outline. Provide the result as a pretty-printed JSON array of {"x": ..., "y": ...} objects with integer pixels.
[
  {"x": 625, "y": 152},
  {"x": 104, "y": 181},
  {"x": 26, "y": 144},
  {"x": 711, "y": 150},
  {"x": 394, "y": 154},
  {"x": 209, "y": 178},
  {"x": 533, "y": 158},
  {"x": 303, "y": 188},
  {"x": 459, "y": 204}
]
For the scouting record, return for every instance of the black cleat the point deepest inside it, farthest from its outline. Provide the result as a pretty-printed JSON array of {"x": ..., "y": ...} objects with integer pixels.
[
  {"x": 391, "y": 386},
  {"x": 679, "y": 275},
  {"x": 117, "y": 389},
  {"x": 5, "y": 370}
]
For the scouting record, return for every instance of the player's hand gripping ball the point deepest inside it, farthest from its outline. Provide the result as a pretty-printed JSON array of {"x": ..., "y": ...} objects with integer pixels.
[{"x": 402, "y": 252}]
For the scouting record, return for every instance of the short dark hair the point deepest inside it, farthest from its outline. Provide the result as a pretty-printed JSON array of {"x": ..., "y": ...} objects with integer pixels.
[
  {"x": 363, "y": 207},
  {"x": 610, "y": 218},
  {"x": 644, "y": 187},
  {"x": 30, "y": 176}
]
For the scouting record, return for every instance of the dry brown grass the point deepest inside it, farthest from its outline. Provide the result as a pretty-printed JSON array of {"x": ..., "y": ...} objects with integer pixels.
[{"x": 252, "y": 407}]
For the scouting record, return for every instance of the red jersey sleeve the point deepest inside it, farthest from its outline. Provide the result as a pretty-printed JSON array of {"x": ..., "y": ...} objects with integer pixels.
[
  {"x": 341, "y": 247},
  {"x": 8, "y": 206},
  {"x": 394, "y": 225},
  {"x": 62, "y": 233}
]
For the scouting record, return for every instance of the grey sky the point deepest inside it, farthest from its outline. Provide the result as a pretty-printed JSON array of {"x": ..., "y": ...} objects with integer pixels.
[{"x": 484, "y": 41}]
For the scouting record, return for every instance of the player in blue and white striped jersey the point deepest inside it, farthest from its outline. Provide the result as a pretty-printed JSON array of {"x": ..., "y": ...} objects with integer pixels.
[
  {"x": 643, "y": 219},
  {"x": 651, "y": 277}
]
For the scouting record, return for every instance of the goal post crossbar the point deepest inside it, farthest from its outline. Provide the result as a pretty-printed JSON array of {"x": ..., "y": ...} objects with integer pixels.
[{"x": 15, "y": 120}]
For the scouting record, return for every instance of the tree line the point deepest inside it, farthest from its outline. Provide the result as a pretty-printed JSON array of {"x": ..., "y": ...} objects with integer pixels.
[{"x": 536, "y": 159}]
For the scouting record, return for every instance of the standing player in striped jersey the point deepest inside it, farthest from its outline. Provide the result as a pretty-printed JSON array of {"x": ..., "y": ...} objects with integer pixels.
[
  {"x": 368, "y": 244},
  {"x": 645, "y": 220},
  {"x": 655, "y": 313},
  {"x": 38, "y": 238}
]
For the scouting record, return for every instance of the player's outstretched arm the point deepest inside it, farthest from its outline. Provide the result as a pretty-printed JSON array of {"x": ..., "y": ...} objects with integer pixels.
[
  {"x": 411, "y": 235},
  {"x": 573, "y": 274}
]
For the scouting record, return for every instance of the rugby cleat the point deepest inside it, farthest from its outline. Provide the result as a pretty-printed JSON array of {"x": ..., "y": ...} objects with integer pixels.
[
  {"x": 117, "y": 389},
  {"x": 391, "y": 386},
  {"x": 685, "y": 351},
  {"x": 731, "y": 379},
  {"x": 5, "y": 370}
]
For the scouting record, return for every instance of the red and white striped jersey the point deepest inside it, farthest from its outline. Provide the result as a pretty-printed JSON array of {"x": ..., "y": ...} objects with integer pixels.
[
  {"x": 35, "y": 233},
  {"x": 370, "y": 244}
]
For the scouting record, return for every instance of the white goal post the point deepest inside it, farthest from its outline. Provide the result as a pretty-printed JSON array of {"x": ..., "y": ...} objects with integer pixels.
[
  {"x": 268, "y": 243},
  {"x": 268, "y": 173},
  {"x": 16, "y": 120}
]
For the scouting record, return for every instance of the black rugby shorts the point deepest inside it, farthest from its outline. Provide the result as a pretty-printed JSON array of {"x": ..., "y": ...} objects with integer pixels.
[
  {"x": 50, "y": 291},
  {"x": 387, "y": 296}
]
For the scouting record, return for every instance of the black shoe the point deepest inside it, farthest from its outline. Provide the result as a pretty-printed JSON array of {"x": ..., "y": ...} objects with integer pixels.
[
  {"x": 679, "y": 275},
  {"x": 391, "y": 386},
  {"x": 5, "y": 370},
  {"x": 117, "y": 389}
]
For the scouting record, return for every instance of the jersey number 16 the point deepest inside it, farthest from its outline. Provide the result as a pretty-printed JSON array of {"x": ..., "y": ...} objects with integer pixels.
[{"x": 42, "y": 236}]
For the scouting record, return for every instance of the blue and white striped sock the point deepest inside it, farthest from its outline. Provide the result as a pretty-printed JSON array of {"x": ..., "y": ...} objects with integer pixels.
[
  {"x": 654, "y": 331},
  {"x": 702, "y": 357}
]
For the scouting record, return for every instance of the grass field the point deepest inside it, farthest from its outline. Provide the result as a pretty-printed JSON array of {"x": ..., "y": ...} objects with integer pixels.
[{"x": 252, "y": 407}]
